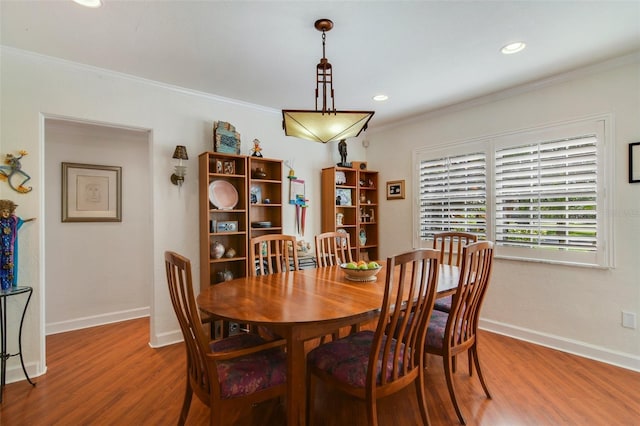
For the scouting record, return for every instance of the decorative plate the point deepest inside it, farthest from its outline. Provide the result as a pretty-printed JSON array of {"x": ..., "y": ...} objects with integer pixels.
[{"x": 223, "y": 195}]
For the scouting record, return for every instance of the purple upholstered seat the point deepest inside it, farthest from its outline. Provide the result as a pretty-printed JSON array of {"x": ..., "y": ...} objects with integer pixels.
[
  {"x": 250, "y": 373},
  {"x": 347, "y": 359}
]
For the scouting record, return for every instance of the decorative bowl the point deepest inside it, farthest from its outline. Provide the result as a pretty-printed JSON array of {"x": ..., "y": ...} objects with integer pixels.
[{"x": 360, "y": 274}]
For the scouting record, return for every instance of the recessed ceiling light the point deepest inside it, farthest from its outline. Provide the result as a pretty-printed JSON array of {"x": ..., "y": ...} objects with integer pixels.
[
  {"x": 513, "y": 48},
  {"x": 380, "y": 98},
  {"x": 89, "y": 3}
]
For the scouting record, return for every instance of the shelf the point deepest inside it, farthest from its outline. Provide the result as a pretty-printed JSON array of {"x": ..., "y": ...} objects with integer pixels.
[
  {"x": 350, "y": 180},
  {"x": 211, "y": 167}
]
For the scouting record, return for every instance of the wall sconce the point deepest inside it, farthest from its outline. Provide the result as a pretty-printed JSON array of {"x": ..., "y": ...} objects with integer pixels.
[{"x": 180, "y": 153}]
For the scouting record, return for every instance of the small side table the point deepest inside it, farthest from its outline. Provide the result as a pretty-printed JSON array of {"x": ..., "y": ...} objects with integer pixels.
[{"x": 4, "y": 355}]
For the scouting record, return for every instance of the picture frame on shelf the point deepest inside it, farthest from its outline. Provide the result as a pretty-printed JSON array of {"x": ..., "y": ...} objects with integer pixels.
[
  {"x": 634, "y": 162},
  {"x": 227, "y": 226},
  {"x": 91, "y": 193},
  {"x": 255, "y": 195},
  {"x": 395, "y": 190},
  {"x": 229, "y": 167},
  {"x": 219, "y": 167},
  {"x": 343, "y": 197}
]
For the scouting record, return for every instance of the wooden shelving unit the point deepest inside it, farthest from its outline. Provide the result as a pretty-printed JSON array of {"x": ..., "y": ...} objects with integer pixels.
[
  {"x": 356, "y": 211},
  {"x": 217, "y": 224},
  {"x": 265, "y": 196}
]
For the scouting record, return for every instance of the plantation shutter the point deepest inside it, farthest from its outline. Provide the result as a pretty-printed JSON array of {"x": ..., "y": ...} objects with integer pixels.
[
  {"x": 546, "y": 195},
  {"x": 453, "y": 195}
]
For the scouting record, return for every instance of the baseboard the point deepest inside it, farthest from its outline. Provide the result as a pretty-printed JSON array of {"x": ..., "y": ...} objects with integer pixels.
[
  {"x": 165, "y": 339},
  {"x": 93, "y": 321},
  {"x": 15, "y": 373},
  {"x": 586, "y": 350}
]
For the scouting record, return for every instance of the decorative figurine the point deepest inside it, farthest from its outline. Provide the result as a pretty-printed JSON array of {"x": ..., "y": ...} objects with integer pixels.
[
  {"x": 363, "y": 236},
  {"x": 342, "y": 149},
  {"x": 9, "y": 223},
  {"x": 256, "y": 151},
  {"x": 13, "y": 168}
]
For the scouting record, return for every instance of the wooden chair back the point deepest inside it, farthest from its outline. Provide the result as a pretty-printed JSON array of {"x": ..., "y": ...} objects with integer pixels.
[
  {"x": 450, "y": 245},
  {"x": 203, "y": 356},
  {"x": 475, "y": 272},
  {"x": 184, "y": 304},
  {"x": 411, "y": 283},
  {"x": 273, "y": 253},
  {"x": 396, "y": 356},
  {"x": 333, "y": 248}
]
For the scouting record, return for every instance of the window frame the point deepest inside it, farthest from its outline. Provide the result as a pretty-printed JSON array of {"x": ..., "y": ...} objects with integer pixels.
[{"x": 601, "y": 126}]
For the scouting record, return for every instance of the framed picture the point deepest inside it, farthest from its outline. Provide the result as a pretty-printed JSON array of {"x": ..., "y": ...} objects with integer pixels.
[
  {"x": 395, "y": 190},
  {"x": 91, "y": 193},
  {"x": 219, "y": 167},
  {"x": 256, "y": 195},
  {"x": 296, "y": 191},
  {"x": 227, "y": 226},
  {"x": 229, "y": 167},
  {"x": 343, "y": 197},
  {"x": 634, "y": 162}
]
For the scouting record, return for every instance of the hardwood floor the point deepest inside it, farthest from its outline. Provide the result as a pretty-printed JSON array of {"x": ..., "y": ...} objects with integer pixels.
[{"x": 109, "y": 375}]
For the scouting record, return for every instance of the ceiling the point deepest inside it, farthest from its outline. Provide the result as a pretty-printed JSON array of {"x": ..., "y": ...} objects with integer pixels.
[{"x": 424, "y": 55}]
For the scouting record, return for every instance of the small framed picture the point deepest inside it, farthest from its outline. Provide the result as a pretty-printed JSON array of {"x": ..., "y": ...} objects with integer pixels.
[
  {"x": 227, "y": 226},
  {"x": 91, "y": 193},
  {"x": 256, "y": 195},
  {"x": 219, "y": 168},
  {"x": 229, "y": 167},
  {"x": 343, "y": 197},
  {"x": 634, "y": 162},
  {"x": 395, "y": 190}
]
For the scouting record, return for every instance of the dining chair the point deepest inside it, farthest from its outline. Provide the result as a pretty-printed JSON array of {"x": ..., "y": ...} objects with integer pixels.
[
  {"x": 370, "y": 365},
  {"x": 273, "y": 253},
  {"x": 450, "y": 245},
  {"x": 333, "y": 248},
  {"x": 227, "y": 375},
  {"x": 269, "y": 254},
  {"x": 451, "y": 333}
]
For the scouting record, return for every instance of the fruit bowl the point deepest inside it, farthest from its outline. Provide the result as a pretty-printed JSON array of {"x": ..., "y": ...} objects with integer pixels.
[{"x": 368, "y": 274}]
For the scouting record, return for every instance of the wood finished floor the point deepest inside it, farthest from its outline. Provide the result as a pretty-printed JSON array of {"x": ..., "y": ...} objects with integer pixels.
[{"x": 109, "y": 375}]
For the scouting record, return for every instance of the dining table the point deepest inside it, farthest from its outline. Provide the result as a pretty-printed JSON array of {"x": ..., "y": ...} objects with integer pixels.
[{"x": 301, "y": 305}]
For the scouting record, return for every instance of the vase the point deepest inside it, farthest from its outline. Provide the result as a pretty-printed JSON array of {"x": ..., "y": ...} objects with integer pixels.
[
  {"x": 363, "y": 237},
  {"x": 217, "y": 250},
  {"x": 225, "y": 275},
  {"x": 259, "y": 173}
]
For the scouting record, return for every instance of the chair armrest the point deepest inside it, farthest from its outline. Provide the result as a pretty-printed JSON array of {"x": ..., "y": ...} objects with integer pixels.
[{"x": 219, "y": 356}]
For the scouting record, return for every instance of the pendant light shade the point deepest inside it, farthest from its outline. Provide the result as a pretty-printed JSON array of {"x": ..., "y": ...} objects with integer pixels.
[{"x": 326, "y": 124}]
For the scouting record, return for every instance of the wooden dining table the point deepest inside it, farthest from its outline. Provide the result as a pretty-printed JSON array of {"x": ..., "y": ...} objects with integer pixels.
[{"x": 302, "y": 305}]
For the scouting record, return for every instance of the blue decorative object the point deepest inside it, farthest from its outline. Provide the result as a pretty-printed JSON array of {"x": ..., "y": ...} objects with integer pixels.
[{"x": 9, "y": 225}]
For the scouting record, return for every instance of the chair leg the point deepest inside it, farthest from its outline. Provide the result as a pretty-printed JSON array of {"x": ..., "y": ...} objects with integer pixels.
[
  {"x": 474, "y": 348},
  {"x": 372, "y": 410},
  {"x": 449, "y": 362},
  {"x": 422, "y": 399},
  {"x": 186, "y": 404}
]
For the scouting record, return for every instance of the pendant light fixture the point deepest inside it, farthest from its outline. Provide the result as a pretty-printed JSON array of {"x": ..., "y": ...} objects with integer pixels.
[{"x": 326, "y": 124}]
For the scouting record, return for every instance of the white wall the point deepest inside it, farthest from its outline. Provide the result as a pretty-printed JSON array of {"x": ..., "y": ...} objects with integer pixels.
[
  {"x": 35, "y": 87},
  {"x": 97, "y": 272},
  {"x": 575, "y": 309}
]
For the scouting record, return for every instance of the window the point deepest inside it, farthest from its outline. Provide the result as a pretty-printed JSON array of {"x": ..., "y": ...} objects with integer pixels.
[
  {"x": 453, "y": 194},
  {"x": 538, "y": 194}
]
